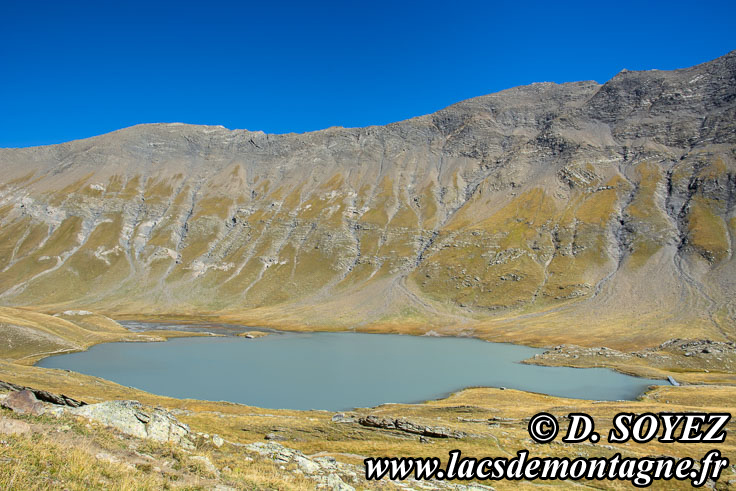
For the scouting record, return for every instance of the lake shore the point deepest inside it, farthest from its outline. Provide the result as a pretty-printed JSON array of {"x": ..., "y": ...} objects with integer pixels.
[{"x": 654, "y": 361}]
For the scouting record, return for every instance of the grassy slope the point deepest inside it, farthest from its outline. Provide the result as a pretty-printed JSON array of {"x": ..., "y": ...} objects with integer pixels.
[
  {"x": 27, "y": 336},
  {"x": 68, "y": 453},
  {"x": 497, "y": 260}
]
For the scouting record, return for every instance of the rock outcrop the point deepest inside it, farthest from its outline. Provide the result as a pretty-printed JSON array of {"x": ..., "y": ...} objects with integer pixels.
[
  {"x": 409, "y": 427},
  {"x": 134, "y": 419},
  {"x": 325, "y": 470},
  {"x": 42, "y": 395},
  {"x": 697, "y": 355}
]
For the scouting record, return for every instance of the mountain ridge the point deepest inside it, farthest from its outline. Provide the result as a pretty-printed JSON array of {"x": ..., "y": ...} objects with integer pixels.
[
  {"x": 292, "y": 133},
  {"x": 507, "y": 216}
]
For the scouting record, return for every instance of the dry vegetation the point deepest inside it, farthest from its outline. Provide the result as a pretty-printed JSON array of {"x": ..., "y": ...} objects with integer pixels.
[{"x": 68, "y": 453}]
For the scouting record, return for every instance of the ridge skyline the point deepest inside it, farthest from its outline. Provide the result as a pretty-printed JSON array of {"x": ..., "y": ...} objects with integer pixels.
[{"x": 730, "y": 53}]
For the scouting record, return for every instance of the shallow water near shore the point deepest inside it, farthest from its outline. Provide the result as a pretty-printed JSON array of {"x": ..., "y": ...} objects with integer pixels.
[{"x": 336, "y": 371}]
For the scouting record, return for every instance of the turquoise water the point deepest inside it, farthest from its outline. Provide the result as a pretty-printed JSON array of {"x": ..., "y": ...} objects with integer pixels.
[{"x": 336, "y": 371}]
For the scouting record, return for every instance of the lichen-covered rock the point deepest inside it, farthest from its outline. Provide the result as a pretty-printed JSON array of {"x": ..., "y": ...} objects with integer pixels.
[
  {"x": 329, "y": 473},
  {"x": 132, "y": 418}
]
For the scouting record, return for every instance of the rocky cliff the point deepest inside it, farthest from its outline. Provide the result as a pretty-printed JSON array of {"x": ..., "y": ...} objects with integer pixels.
[{"x": 577, "y": 211}]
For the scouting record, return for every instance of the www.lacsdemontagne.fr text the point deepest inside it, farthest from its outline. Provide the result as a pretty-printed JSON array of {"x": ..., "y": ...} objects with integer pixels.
[
  {"x": 641, "y": 472},
  {"x": 543, "y": 427}
]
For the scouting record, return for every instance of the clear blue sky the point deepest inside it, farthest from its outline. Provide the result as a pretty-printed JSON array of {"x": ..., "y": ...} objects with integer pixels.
[{"x": 76, "y": 69}]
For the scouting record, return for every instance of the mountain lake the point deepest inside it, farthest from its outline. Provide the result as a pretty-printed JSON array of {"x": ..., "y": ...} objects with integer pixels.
[{"x": 333, "y": 371}]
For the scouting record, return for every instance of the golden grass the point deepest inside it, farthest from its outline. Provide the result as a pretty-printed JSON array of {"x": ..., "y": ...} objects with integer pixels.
[
  {"x": 69, "y": 453},
  {"x": 75, "y": 187},
  {"x": 63, "y": 239},
  {"x": 28, "y": 336},
  {"x": 39, "y": 462},
  {"x": 652, "y": 221},
  {"x": 707, "y": 231}
]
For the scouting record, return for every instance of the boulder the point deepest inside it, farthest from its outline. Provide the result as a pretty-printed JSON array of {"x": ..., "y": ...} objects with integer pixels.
[
  {"x": 132, "y": 418},
  {"x": 23, "y": 402}
]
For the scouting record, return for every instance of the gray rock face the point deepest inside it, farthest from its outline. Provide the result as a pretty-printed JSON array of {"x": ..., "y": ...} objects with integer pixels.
[{"x": 132, "y": 418}]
